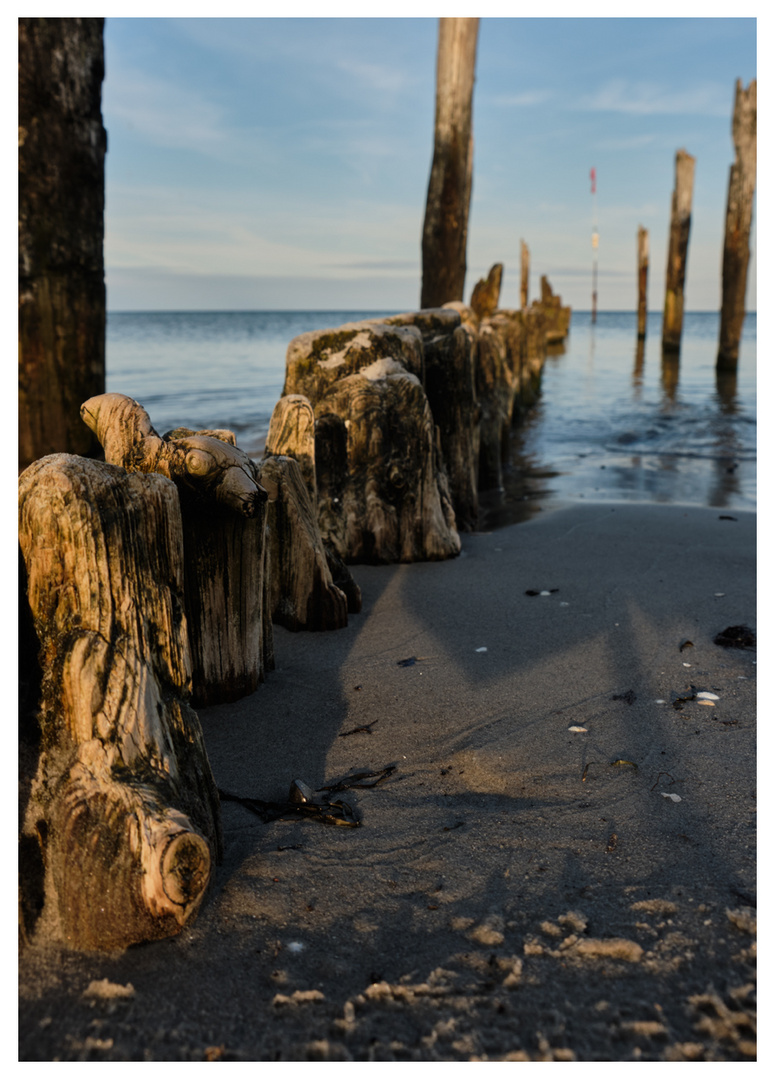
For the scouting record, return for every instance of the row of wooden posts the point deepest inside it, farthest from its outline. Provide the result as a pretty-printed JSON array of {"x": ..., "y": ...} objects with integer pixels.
[
  {"x": 153, "y": 579},
  {"x": 736, "y": 254}
]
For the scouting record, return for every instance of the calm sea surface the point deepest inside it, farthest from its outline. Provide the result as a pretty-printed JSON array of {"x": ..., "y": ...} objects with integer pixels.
[{"x": 614, "y": 421}]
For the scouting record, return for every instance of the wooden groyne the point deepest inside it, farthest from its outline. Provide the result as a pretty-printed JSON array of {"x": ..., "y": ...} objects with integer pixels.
[{"x": 151, "y": 580}]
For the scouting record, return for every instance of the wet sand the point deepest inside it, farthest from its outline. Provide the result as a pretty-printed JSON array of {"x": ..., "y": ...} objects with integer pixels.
[{"x": 517, "y": 889}]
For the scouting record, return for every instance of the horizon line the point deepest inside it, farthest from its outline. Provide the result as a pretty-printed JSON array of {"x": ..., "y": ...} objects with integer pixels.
[{"x": 397, "y": 311}]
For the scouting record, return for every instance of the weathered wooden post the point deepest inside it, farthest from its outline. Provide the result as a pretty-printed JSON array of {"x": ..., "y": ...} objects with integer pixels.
[
  {"x": 742, "y": 183},
  {"x": 525, "y": 274},
  {"x": 124, "y": 807},
  {"x": 62, "y": 147},
  {"x": 680, "y": 221},
  {"x": 445, "y": 229},
  {"x": 643, "y": 275}
]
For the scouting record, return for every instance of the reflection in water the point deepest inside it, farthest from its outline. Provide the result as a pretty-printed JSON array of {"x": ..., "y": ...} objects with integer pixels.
[
  {"x": 670, "y": 375},
  {"x": 726, "y": 388},
  {"x": 637, "y": 374},
  {"x": 608, "y": 426}
]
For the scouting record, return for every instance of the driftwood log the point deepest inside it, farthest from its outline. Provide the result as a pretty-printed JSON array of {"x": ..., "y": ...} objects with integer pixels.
[
  {"x": 445, "y": 229},
  {"x": 224, "y": 524},
  {"x": 123, "y": 808},
  {"x": 678, "y": 248},
  {"x": 62, "y": 145},
  {"x": 742, "y": 183}
]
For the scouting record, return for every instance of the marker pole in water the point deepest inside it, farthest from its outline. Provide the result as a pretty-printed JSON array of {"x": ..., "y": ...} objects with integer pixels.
[{"x": 595, "y": 239}]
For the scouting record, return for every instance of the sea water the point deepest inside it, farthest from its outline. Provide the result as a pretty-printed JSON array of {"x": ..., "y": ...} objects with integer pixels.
[{"x": 615, "y": 420}]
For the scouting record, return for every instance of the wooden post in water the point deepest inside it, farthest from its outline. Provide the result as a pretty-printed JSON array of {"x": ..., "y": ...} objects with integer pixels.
[
  {"x": 643, "y": 275},
  {"x": 445, "y": 229},
  {"x": 742, "y": 183},
  {"x": 680, "y": 221},
  {"x": 525, "y": 256},
  {"x": 61, "y": 199}
]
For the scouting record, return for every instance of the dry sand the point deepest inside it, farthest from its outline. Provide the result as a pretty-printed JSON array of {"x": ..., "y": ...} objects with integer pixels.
[{"x": 517, "y": 889}]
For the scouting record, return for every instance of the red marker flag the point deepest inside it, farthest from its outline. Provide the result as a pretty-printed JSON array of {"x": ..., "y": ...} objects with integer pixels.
[{"x": 593, "y": 178}]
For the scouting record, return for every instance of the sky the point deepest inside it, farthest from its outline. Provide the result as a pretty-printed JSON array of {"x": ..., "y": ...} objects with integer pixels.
[{"x": 283, "y": 163}]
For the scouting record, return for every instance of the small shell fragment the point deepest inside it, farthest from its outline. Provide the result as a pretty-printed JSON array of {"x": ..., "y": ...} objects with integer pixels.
[
  {"x": 670, "y": 795},
  {"x": 482, "y": 648},
  {"x": 575, "y": 727},
  {"x": 707, "y": 695}
]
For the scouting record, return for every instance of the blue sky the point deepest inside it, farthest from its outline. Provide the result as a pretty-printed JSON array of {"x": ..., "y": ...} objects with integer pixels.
[{"x": 283, "y": 163}]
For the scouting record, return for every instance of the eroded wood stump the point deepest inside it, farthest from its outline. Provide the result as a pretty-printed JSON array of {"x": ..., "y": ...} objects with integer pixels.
[
  {"x": 292, "y": 434},
  {"x": 487, "y": 292},
  {"x": 316, "y": 360},
  {"x": 124, "y": 807},
  {"x": 450, "y": 362},
  {"x": 557, "y": 317},
  {"x": 382, "y": 491},
  {"x": 302, "y": 594},
  {"x": 224, "y": 525}
]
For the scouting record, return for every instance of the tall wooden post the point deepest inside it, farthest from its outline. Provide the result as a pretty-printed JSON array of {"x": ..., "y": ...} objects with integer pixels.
[
  {"x": 680, "y": 221},
  {"x": 445, "y": 229},
  {"x": 742, "y": 183},
  {"x": 643, "y": 275},
  {"x": 525, "y": 260},
  {"x": 62, "y": 147}
]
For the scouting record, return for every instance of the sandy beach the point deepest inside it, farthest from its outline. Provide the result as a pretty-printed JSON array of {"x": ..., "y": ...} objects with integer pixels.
[{"x": 561, "y": 865}]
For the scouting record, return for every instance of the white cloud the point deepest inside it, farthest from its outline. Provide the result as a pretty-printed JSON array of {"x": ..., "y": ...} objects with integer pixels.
[
  {"x": 626, "y": 142},
  {"x": 380, "y": 77},
  {"x": 165, "y": 113},
  {"x": 650, "y": 99},
  {"x": 529, "y": 97}
]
